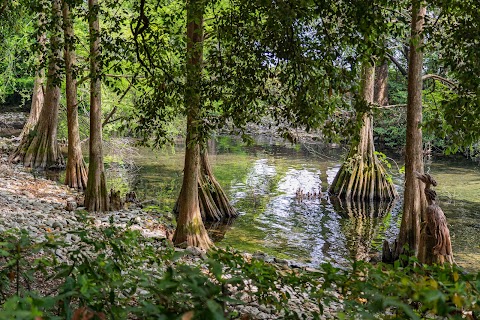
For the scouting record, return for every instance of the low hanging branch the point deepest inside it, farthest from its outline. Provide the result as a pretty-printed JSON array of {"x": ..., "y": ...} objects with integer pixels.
[
  {"x": 404, "y": 72},
  {"x": 398, "y": 64},
  {"x": 448, "y": 82}
]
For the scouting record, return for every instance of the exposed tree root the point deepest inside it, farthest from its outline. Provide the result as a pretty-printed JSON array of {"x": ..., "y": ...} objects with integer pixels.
[
  {"x": 214, "y": 203},
  {"x": 76, "y": 175},
  {"x": 362, "y": 176},
  {"x": 192, "y": 234},
  {"x": 39, "y": 150}
]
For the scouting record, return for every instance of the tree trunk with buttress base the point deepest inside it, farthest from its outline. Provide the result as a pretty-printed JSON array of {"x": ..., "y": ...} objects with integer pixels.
[
  {"x": 214, "y": 203},
  {"x": 96, "y": 196},
  {"x": 362, "y": 176},
  {"x": 76, "y": 173},
  {"x": 415, "y": 204},
  {"x": 414, "y": 199},
  {"x": 40, "y": 149},
  {"x": 190, "y": 230},
  {"x": 38, "y": 96}
]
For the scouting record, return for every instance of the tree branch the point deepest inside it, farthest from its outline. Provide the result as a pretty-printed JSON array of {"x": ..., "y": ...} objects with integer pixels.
[
  {"x": 398, "y": 64},
  {"x": 107, "y": 118},
  {"x": 390, "y": 106},
  {"x": 448, "y": 82}
]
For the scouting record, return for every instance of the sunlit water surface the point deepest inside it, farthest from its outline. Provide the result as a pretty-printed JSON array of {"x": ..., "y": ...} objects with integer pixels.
[{"x": 262, "y": 181}]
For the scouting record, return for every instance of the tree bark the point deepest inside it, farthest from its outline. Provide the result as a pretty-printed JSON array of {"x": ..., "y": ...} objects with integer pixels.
[
  {"x": 414, "y": 199},
  {"x": 39, "y": 149},
  {"x": 38, "y": 96},
  {"x": 381, "y": 84},
  {"x": 76, "y": 173},
  {"x": 190, "y": 230},
  {"x": 362, "y": 176},
  {"x": 435, "y": 245},
  {"x": 96, "y": 196}
]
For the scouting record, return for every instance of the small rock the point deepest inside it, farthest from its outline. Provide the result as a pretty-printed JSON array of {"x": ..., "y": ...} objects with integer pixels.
[
  {"x": 281, "y": 261},
  {"x": 57, "y": 225}
]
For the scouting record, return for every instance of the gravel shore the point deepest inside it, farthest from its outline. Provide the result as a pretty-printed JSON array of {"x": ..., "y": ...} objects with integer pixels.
[{"x": 39, "y": 206}]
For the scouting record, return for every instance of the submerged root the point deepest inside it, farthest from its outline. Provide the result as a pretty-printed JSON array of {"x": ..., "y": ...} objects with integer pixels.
[{"x": 363, "y": 179}]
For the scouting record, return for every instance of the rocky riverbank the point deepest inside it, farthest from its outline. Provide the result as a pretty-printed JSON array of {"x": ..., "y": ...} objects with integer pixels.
[
  {"x": 39, "y": 206},
  {"x": 11, "y": 123}
]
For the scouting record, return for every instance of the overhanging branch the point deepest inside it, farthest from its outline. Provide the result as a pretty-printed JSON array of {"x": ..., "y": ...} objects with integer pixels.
[
  {"x": 398, "y": 64},
  {"x": 448, "y": 82}
]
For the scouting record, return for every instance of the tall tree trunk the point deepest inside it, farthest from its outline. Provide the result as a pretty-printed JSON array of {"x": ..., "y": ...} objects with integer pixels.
[
  {"x": 214, "y": 203},
  {"x": 362, "y": 176},
  {"x": 381, "y": 84},
  {"x": 96, "y": 196},
  {"x": 40, "y": 149},
  {"x": 414, "y": 199},
  {"x": 190, "y": 230},
  {"x": 76, "y": 175},
  {"x": 38, "y": 96}
]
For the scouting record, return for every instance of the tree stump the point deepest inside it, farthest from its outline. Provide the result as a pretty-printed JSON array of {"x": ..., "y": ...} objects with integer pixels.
[
  {"x": 435, "y": 245},
  {"x": 131, "y": 197},
  {"x": 116, "y": 202}
]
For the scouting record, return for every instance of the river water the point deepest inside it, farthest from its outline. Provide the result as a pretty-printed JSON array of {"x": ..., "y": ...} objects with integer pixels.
[{"x": 262, "y": 179}]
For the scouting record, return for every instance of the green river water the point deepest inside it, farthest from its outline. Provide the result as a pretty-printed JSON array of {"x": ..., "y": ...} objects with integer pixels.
[{"x": 261, "y": 181}]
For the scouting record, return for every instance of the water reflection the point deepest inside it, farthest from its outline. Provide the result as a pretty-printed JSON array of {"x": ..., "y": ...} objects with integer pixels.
[
  {"x": 362, "y": 225},
  {"x": 310, "y": 228},
  {"x": 262, "y": 181}
]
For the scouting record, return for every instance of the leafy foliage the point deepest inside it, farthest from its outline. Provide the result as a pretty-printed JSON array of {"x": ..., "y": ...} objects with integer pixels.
[{"x": 121, "y": 274}]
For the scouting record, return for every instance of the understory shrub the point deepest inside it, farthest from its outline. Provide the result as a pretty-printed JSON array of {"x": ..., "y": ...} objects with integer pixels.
[{"x": 119, "y": 274}]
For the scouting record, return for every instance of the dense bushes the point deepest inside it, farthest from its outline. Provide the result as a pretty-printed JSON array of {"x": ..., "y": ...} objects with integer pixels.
[{"x": 120, "y": 274}]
